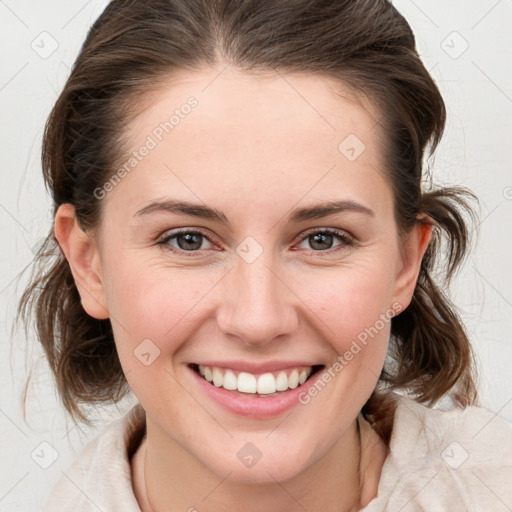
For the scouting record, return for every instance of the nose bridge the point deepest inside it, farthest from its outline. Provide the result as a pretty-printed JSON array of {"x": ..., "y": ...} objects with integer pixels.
[{"x": 257, "y": 305}]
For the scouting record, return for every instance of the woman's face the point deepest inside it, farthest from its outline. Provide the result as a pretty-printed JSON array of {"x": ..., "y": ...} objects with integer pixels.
[{"x": 251, "y": 279}]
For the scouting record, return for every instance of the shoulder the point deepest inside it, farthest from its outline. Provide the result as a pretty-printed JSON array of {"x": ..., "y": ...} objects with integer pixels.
[
  {"x": 100, "y": 476},
  {"x": 457, "y": 460}
]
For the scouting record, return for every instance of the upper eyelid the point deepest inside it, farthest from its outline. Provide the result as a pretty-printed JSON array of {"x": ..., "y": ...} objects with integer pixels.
[
  {"x": 336, "y": 231},
  {"x": 173, "y": 233}
]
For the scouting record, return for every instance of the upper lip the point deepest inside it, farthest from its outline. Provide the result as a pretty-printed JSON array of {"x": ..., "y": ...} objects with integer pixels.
[{"x": 253, "y": 367}]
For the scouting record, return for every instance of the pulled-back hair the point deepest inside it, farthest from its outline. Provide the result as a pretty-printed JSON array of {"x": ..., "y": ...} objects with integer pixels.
[{"x": 133, "y": 48}]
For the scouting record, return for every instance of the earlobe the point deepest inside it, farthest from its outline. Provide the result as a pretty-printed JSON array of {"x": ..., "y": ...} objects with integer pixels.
[
  {"x": 413, "y": 251},
  {"x": 81, "y": 252}
]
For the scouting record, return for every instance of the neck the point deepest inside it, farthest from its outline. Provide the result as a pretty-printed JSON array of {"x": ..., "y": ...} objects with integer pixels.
[{"x": 345, "y": 479}]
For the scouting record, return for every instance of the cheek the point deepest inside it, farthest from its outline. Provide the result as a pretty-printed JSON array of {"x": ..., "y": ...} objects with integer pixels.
[
  {"x": 154, "y": 312},
  {"x": 348, "y": 300},
  {"x": 152, "y": 303},
  {"x": 352, "y": 309},
  {"x": 352, "y": 306}
]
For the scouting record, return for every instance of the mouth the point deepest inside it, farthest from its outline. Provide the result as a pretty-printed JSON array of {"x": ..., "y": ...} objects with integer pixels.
[{"x": 264, "y": 385}]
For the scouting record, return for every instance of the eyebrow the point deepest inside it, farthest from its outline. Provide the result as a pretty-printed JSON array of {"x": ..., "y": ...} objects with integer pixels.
[{"x": 298, "y": 215}]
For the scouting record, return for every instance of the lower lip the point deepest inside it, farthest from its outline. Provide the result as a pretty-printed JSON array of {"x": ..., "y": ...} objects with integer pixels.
[{"x": 254, "y": 407}]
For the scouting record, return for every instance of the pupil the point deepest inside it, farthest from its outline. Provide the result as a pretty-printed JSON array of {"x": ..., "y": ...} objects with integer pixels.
[
  {"x": 319, "y": 239},
  {"x": 192, "y": 241}
]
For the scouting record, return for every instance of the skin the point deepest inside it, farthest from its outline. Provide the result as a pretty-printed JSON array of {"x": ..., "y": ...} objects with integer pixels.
[{"x": 254, "y": 148}]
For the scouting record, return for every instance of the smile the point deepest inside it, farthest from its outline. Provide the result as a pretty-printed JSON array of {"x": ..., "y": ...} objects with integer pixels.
[{"x": 256, "y": 385}]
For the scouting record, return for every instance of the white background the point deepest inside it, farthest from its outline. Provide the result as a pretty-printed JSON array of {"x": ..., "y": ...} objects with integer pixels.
[{"x": 476, "y": 152}]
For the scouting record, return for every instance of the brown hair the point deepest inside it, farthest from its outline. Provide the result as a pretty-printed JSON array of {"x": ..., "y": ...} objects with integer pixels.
[{"x": 365, "y": 44}]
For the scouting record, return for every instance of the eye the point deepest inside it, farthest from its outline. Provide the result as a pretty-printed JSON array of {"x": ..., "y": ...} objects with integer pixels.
[
  {"x": 322, "y": 240},
  {"x": 186, "y": 240},
  {"x": 191, "y": 241}
]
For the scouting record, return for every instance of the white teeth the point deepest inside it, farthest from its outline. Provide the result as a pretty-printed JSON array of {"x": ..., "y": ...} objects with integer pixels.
[
  {"x": 230, "y": 381},
  {"x": 282, "y": 382},
  {"x": 264, "y": 384},
  {"x": 293, "y": 379},
  {"x": 217, "y": 377},
  {"x": 246, "y": 382}
]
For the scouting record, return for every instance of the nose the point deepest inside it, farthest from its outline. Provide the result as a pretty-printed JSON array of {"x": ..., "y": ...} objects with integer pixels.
[{"x": 257, "y": 304}]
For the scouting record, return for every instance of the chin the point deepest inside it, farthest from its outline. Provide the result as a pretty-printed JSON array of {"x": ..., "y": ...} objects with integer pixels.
[{"x": 246, "y": 468}]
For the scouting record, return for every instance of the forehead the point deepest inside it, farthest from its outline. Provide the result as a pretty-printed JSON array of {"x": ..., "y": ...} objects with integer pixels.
[
  {"x": 230, "y": 102},
  {"x": 243, "y": 129}
]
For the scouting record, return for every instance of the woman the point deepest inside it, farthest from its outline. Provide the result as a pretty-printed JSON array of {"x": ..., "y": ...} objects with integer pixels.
[{"x": 244, "y": 237}]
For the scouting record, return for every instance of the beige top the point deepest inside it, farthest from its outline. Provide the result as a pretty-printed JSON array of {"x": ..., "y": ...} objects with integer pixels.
[{"x": 456, "y": 461}]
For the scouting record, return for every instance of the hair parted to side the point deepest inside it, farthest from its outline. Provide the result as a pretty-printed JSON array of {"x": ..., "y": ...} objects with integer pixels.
[{"x": 134, "y": 47}]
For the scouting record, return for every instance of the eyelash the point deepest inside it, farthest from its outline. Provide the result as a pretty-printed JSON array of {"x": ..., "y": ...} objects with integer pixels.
[{"x": 346, "y": 240}]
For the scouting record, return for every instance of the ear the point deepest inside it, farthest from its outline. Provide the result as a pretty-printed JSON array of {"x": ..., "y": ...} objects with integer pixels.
[
  {"x": 412, "y": 252},
  {"x": 81, "y": 252}
]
